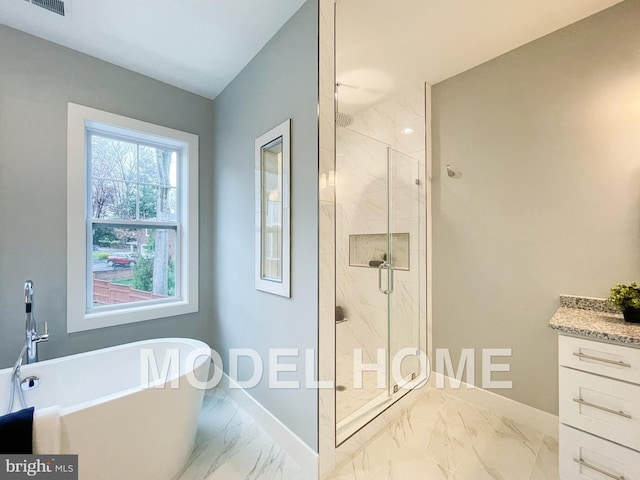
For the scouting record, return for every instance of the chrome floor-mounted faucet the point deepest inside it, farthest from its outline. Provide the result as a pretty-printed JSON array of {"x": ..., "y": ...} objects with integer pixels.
[{"x": 32, "y": 336}]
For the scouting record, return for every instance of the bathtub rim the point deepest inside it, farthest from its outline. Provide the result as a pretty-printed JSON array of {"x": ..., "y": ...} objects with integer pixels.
[{"x": 200, "y": 360}]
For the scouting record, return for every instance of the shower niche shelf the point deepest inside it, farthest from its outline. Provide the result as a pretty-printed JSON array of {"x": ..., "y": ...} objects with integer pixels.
[{"x": 368, "y": 250}]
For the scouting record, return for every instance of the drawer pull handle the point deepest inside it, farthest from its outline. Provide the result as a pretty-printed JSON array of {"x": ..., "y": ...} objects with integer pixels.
[
  {"x": 600, "y": 407},
  {"x": 599, "y": 470},
  {"x": 604, "y": 360}
]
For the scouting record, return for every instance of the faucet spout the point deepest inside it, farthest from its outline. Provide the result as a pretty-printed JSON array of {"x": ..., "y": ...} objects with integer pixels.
[
  {"x": 31, "y": 334},
  {"x": 28, "y": 303},
  {"x": 28, "y": 292}
]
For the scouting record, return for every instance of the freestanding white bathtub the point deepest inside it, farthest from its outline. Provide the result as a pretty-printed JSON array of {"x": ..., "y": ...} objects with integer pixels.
[{"x": 120, "y": 427}]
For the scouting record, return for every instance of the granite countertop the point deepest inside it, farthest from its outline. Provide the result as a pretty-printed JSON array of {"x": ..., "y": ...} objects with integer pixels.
[{"x": 594, "y": 318}]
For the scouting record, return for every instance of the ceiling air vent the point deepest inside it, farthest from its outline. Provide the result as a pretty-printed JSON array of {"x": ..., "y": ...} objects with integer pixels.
[{"x": 55, "y": 6}]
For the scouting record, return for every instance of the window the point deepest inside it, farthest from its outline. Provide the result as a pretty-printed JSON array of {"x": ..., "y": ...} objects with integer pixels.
[{"x": 132, "y": 235}]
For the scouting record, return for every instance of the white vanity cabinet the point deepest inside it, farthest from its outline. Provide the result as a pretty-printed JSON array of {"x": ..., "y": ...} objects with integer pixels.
[{"x": 599, "y": 410}]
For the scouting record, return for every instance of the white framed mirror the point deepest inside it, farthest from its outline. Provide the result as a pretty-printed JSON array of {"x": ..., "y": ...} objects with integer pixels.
[{"x": 273, "y": 218}]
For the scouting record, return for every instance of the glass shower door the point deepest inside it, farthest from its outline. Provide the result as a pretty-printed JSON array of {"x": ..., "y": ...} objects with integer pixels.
[
  {"x": 405, "y": 190},
  {"x": 377, "y": 276}
]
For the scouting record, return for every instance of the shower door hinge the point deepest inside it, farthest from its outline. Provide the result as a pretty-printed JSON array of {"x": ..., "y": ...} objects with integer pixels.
[
  {"x": 413, "y": 376},
  {"x": 395, "y": 389}
]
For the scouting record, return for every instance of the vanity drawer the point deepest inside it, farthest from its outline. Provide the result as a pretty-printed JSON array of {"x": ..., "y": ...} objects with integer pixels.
[
  {"x": 614, "y": 361},
  {"x": 584, "y": 456},
  {"x": 602, "y": 406}
]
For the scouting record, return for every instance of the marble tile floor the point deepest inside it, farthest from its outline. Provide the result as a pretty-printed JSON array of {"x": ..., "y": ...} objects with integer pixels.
[
  {"x": 230, "y": 445},
  {"x": 438, "y": 437}
]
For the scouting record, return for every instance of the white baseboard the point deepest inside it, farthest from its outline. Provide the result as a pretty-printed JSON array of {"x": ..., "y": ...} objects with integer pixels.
[
  {"x": 288, "y": 440},
  {"x": 545, "y": 422}
]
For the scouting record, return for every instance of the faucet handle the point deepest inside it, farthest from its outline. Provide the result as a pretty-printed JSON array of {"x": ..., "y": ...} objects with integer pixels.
[{"x": 41, "y": 338}]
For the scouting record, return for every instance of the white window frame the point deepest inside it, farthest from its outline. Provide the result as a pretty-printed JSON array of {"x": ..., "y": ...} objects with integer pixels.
[
  {"x": 280, "y": 287},
  {"x": 79, "y": 317}
]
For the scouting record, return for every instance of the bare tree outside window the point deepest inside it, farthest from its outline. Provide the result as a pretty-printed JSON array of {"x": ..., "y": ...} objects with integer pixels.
[{"x": 133, "y": 207}]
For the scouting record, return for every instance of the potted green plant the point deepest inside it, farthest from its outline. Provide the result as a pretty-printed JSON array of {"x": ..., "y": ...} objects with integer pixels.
[{"x": 627, "y": 298}]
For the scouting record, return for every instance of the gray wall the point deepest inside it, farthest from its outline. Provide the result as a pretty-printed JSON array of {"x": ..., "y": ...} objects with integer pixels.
[
  {"x": 280, "y": 82},
  {"x": 37, "y": 79},
  {"x": 547, "y": 138}
]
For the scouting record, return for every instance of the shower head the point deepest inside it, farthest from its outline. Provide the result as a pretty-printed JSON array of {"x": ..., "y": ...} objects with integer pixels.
[{"x": 343, "y": 119}]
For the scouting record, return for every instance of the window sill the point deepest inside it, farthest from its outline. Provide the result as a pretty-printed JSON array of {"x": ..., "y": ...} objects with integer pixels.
[{"x": 134, "y": 314}]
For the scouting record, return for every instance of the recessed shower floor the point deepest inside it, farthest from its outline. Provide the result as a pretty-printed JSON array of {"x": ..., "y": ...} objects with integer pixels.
[
  {"x": 438, "y": 437},
  {"x": 351, "y": 399}
]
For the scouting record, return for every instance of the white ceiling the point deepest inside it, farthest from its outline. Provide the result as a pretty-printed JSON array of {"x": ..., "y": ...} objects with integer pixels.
[
  {"x": 386, "y": 45},
  {"x": 197, "y": 45},
  {"x": 383, "y": 45}
]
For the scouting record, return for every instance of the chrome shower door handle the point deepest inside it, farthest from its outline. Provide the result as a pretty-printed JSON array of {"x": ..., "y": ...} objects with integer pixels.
[
  {"x": 380, "y": 267},
  {"x": 385, "y": 265}
]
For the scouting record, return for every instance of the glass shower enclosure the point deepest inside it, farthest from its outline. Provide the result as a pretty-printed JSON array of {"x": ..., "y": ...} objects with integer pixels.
[{"x": 379, "y": 259}]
